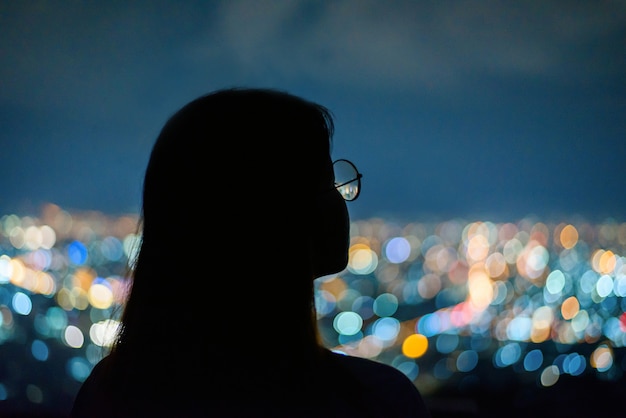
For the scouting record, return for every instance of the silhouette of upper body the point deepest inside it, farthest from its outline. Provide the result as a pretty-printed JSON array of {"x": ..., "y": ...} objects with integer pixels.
[{"x": 242, "y": 209}]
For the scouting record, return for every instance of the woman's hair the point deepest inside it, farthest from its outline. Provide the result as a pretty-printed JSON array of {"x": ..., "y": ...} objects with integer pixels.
[{"x": 226, "y": 222}]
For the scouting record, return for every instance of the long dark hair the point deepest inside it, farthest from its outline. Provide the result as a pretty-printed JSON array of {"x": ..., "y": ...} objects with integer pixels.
[{"x": 224, "y": 259}]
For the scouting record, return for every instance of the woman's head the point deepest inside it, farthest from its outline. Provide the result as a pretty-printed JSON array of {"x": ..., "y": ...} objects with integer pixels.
[
  {"x": 247, "y": 172},
  {"x": 239, "y": 205}
]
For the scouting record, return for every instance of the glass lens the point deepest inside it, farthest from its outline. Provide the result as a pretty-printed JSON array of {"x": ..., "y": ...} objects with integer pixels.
[{"x": 347, "y": 179}]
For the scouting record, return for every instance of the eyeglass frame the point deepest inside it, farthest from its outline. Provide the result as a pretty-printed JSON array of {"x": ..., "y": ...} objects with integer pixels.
[{"x": 358, "y": 177}]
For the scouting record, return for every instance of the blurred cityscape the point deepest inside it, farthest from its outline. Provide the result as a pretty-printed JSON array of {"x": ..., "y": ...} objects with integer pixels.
[{"x": 472, "y": 310}]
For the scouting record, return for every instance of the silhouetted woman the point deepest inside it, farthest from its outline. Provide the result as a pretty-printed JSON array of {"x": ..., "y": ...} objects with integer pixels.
[{"x": 242, "y": 210}]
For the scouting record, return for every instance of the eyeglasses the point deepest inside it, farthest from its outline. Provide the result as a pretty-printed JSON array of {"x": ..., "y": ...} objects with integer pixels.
[{"x": 347, "y": 179}]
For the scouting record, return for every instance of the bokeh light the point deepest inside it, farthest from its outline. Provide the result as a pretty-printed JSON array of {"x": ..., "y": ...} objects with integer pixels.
[{"x": 446, "y": 303}]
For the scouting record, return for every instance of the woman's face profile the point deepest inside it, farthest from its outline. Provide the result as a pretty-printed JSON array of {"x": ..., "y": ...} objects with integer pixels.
[{"x": 331, "y": 229}]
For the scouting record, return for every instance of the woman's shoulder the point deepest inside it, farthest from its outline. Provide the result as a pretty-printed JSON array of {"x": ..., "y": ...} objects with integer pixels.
[
  {"x": 384, "y": 384},
  {"x": 90, "y": 396},
  {"x": 371, "y": 371}
]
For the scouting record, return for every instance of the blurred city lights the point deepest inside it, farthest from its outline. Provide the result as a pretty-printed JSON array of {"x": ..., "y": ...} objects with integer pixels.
[{"x": 439, "y": 301}]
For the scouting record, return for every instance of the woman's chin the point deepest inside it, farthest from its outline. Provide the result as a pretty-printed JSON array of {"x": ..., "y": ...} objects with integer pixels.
[{"x": 330, "y": 269}]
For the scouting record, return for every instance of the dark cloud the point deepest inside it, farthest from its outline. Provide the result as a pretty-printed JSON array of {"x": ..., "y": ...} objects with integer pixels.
[{"x": 54, "y": 49}]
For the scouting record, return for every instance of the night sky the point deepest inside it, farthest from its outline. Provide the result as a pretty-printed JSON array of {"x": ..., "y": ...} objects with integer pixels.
[{"x": 475, "y": 109}]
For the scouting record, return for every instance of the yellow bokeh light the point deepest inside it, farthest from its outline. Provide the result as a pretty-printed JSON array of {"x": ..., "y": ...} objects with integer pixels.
[
  {"x": 603, "y": 261},
  {"x": 43, "y": 283},
  {"x": 570, "y": 308},
  {"x": 568, "y": 236},
  {"x": 601, "y": 358},
  {"x": 83, "y": 277},
  {"x": 362, "y": 259},
  {"x": 415, "y": 345},
  {"x": 480, "y": 289},
  {"x": 100, "y": 296},
  {"x": 496, "y": 266},
  {"x": 542, "y": 324},
  {"x": 607, "y": 262},
  {"x": 477, "y": 248}
]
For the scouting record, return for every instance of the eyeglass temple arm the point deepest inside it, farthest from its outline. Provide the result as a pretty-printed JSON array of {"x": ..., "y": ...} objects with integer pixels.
[{"x": 358, "y": 177}]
